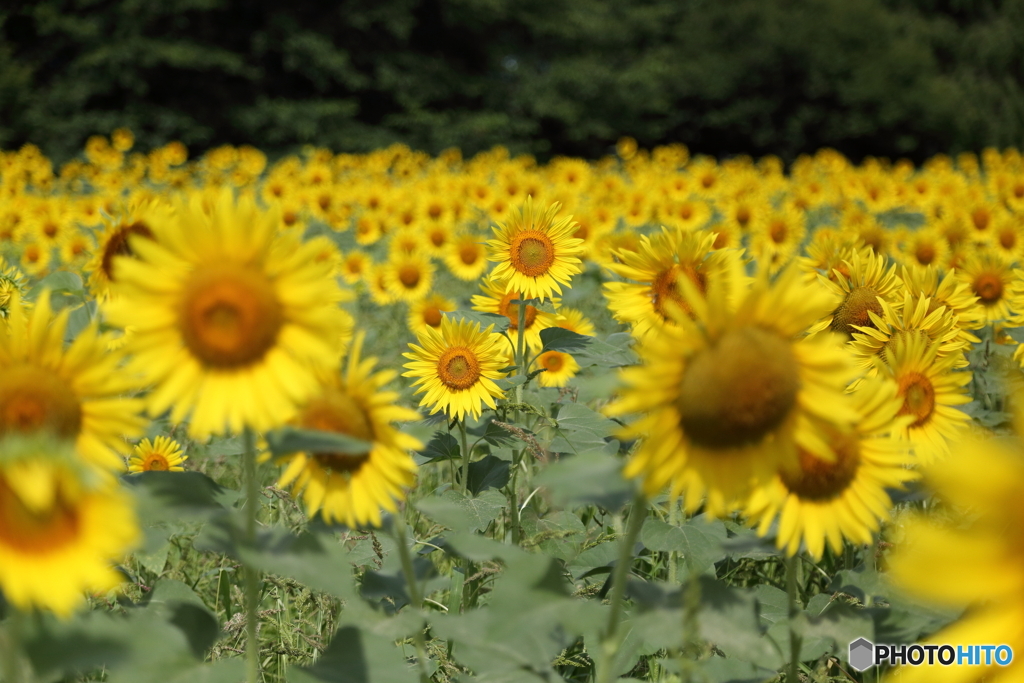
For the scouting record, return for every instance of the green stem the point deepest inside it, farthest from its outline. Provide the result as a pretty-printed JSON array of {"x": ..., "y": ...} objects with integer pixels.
[
  {"x": 11, "y": 649},
  {"x": 465, "y": 456},
  {"x": 521, "y": 346},
  {"x": 414, "y": 591},
  {"x": 252, "y": 586},
  {"x": 673, "y": 520},
  {"x": 513, "y": 499},
  {"x": 610, "y": 642},
  {"x": 792, "y": 567}
]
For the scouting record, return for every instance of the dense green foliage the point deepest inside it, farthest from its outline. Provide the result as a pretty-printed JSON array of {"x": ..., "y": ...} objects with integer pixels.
[{"x": 882, "y": 77}]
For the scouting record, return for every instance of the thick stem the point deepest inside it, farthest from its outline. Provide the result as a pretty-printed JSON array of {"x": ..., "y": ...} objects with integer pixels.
[
  {"x": 465, "y": 456},
  {"x": 414, "y": 591},
  {"x": 252, "y": 586},
  {"x": 792, "y": 567},
  {"x": 513, "y": 499},
  {"x": 521, "y": 346},
  {"x": 610, "y": 642},
  {"x": 673, "y": 520},
  {"x": 11, "y": 646}
]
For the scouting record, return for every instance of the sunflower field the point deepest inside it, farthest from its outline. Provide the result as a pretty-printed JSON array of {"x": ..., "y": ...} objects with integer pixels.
[{"x": 392, "y": 417}]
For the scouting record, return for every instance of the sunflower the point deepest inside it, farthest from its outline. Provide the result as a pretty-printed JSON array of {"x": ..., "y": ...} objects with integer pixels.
[
  {"x": 991, "y": 279},
  {"x": 980, "y": 552},
  {"x": 949, "y": 291},
  {"x": 12, "y": 284},
  {"x": 779, "y": 237},
  {"x": 410, "y": 276},
  {"x": 496, "y": 300},
  {"x": 559, "y": 367},
  {"x": 859, "y": 290},
  {"x": 656, "y": 268},
  {"x": 428, "y": 312},
  {"x": 727, "y": 399},
  {"x": 232, "y": 315},
  {"x": 930, "y": 389},
  {"x": 35, "y": 258},
  {"x": 132, "y": 219},
  {"x": 61, "y": 529},
  {"x": 377, "y": 284},
  {"x": 574, "y": 321},
  {"x": 354, "y": 266},
  {"x": 466, "y": 257},
  {"x": 923, "y": 247},
  {"x": 915, "y": 317},
  {"x": 536, "y": 254},
  {"x": 351, "y": 488},
  {"x": 162, "y": 454},
  {"x": 75, "y": 394},
  {"x": 456, "y": 366},
  {"x": 846, "y": 499},
  {"x": 829, "y": 250}
]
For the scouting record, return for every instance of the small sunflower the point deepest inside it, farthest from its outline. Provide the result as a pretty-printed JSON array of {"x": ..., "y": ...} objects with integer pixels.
[
  {"x": 574, "y": 321},
  {"x": 162, "y": 454},
  {"x": 378, "y": 286},
  {"x": 948, "y": 291},
  {"x": 496, "y": 300},
  {"x": 915, "y": 317},
  {"x": 61, "y": 532},
  {"x": 12, "y": 284},
  {"x": 992, "y": 280},
  {"x": 410, "y": 276},
  {"x": 428, "y": 312},
  {"x": 559, "y": 367},
  {"x": 131, "y": 220},
  {"x": 352, "y": 488},
  {"x": 354, "y": 266},
  {"x": 536, "y": 254},
  {"x": 232, "y": 315},
  {"x": 77, "y": 394},
  {"x": 728, "y": 398},
  {"x": 466, "y": 257},
  {"x": 456, "y": 366},
  {"x": 859, "y": 289},
  {"x": 821, "y": 501},
  {"x": 779, "y": 237},
  {"x": 930, "y": 389},
  {"x": 923, "y": 247}
]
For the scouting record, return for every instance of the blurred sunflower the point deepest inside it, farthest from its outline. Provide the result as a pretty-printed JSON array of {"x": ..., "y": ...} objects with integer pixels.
[
  {"x": 428, "y": 312},
  {"x": 559, "y": 367},
  {"x": 922, "y": 247},
  {"x": 496, "y": 300},
  {"x": 915, "y": 317},
  {"x": 12, "y": 284},
  {"x": 410, "y": 276},
  {"x": 378, "y": 285},
  {"x": 536, "y": 254},
  {"x": 992, "y": 280},
  {"x": 61, "y": 530},
  {"x": 162, "y": 454},
  {"x": 574, "y": 321},
  {"x": 466, "y": 257},
  {"x": 727, "y": 399},
  {"x": 131, "y": 219},
  {"x": 232, "y": 315},
  {"x": 352, "y": 488},
  {"x": 821, "y": 501},
  {"x": 76, "y": 394},
  {"x": 455, "y": 367},
  {"x": 354, "y": 266}
]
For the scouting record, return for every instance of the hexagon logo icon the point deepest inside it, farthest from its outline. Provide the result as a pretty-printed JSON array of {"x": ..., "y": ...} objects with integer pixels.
[{"x": 862, "y": 654}]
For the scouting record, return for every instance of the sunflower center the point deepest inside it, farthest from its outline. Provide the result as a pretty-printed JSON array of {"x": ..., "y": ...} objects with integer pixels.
[
  {"x": 981, "y": 219},
  {"x": 553, "y": 361},
  {"x": 918, "y": 397},
  {"x": 511, "y": 311},
  {"x": 33, "y": 399},
  {"x": 854, "y": 310},
  {"x": 409, "y": 276},
  {"x": 230, "y": 316},
  {"x": 1008, "y": 238},
  {"x": 35, "y": 531},
  {"x": 925, "y": 254},
  {"x": 988, "y": 287},
  {"x": 155, "y": 462},
  {"x": 432, "y": 316},
  {"x": 778, "y": 231},
  {"x": 736, "y": 392},
  {"x": 665, "y": 288},
  {"x": 532, "y": 253},
  {"x": 821, "y": 481},
  {"x": 458, "y": 368},
  {"x": 469, "y": 253},
  {"x": 336, "y": 411},
  {"x": 118, "y": 245}
]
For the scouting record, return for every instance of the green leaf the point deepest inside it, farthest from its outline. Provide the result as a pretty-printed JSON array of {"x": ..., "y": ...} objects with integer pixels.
[
  {"x": 699, "y": 540},
  {"x": 287, "y": 440},
  {"x": 355, "y": 655},
  {"x": 61, "y": 281},
  {"x": 580, "y": 429},
  {"x": 485, "y": 320},
  {"x": 460, "y": 512},
  {"x": 488, "y": 473},
  {"x": 561, "y": 339},
  {"x": 592, "y": 478},
  {"x": 443, "y": 446},
  {"x": 613, "y": 352}
]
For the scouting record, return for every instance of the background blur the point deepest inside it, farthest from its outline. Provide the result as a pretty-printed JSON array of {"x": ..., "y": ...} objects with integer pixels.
[{"x": 869, "y": 77}]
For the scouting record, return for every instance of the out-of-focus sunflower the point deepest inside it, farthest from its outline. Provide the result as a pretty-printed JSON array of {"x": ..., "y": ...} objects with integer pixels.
[
  {"x": 352, "y": 488},
  {"x": 915, "y": 317},
  {"x": 922, "y": 247},
  {"x": 535, "y": 254},
  {"x": 410, "y": 276},
  {"x": 868, "y": 278},
  {"x": 574, "y": 321},
  {"x": 931, "y": 390},
  {"x": 354, "y": 266},
  {"x": 948, "y": 291},
  {"x": 12, "y": 284},
  {"x": 61, "y": 529},
  {"x": 779, "y": 237},
  {"x": 232, "y": 315},
  {"x": 162, "y": 454},
  {"x": 429, "y": 312},
  {"x": 655, "y": 270},
  {"x": 131, "y": 219},
  {"x": 466, "y": 257},
  {"x": 377, "y": 284},
  {"x": 980, "y": 553},
  {"x": 75, "y": 394},
  {"x": 731, "y": 397},
  {"x": 992, "y": 280},
  {"x": 496, "y": 300},
  {"x": 821, "y": 501},
  {"x": 559, "y": 367},
  {"x": 455, "y": 367},
  {"x": 36, "y": 258}
]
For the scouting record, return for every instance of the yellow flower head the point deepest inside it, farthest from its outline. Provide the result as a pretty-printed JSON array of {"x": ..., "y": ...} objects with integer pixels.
[{"x": 162, "y": 454}]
